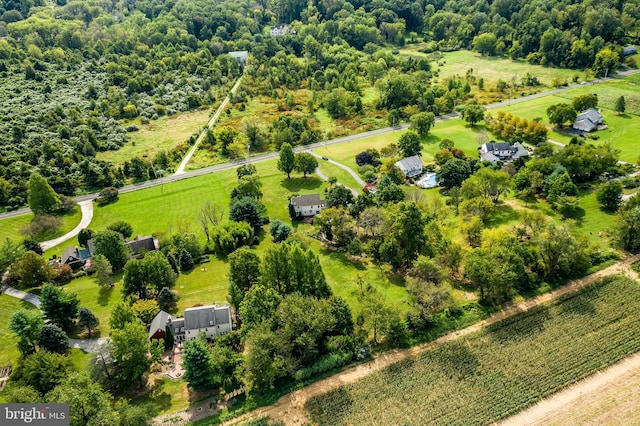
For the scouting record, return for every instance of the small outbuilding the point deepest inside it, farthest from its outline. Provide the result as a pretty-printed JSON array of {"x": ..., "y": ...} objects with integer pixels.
[{"x": 629, "y": 50}]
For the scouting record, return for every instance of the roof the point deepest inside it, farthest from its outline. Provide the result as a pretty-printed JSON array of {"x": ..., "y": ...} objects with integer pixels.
[
  {"x": 521, "y": 151},
  {"x": 306, "y": 200},
  {"x": 488, "y": 156},
  {"x": 629, "y": 50},
  {"x": 410, "y": 163},
  {"x": 74, "y": 254},
  {"x": 159, "y": 323},
  {"x": 241, "y": 55},
  {"x": 142, "y": 243},
  {"x": 590, "y": 114},
  {"x": 206, "y": 316},
  {"x": 497, "y": 146}
]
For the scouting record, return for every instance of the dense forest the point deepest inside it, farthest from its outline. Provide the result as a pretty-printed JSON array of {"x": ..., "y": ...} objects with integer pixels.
[{"x": 75, "y": 73}]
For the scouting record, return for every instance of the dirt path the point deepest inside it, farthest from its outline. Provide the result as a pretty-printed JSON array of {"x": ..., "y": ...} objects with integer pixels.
[
  {"x": 290, "y": 408},
  {"x": 600, "y": 398}
]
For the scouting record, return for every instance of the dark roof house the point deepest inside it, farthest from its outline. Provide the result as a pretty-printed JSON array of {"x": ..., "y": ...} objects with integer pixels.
[
  {"x": 502, "y": 151},
  {"x": 588, "y": 120},
  {"x": 75, "y": 257},
  {"x": 143, "y": 243}
]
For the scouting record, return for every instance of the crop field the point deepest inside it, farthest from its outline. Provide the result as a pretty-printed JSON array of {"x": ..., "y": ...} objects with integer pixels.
[
  {"x": 610, "y": 91},
  {"x": 164, "y": 133},
  {"x": 500, "y": 370}
]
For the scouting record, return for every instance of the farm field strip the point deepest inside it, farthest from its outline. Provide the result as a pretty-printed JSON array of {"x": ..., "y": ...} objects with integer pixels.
[{"x": 505, "y": 367}]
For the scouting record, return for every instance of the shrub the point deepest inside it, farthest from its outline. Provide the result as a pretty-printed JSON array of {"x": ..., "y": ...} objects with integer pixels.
[{"x": 107, "y": 195}]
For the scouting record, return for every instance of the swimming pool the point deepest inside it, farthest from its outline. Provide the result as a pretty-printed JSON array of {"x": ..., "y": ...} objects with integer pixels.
[{"x": 427, "y": 181}]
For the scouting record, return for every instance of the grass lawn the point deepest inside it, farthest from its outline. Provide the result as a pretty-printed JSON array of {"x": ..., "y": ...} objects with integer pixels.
[
  {"x": 98, "y": 300},
  {"x": 10, "y": 228},
  {"x": 331, "y": 170},
  {"x": 498, "y": 371},
  {"x": 164, "y": 133},
  {"x": 491, "y": 69},
  {"x": 9, "y": 352}
]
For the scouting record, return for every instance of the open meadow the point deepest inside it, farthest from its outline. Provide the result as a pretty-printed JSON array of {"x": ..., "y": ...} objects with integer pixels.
[
  {"x": 165, "y": 133},
  {"x": 9, "y": 351},
  {"x": 500, "y": 370},
  {"x": 11, "y": 227}
]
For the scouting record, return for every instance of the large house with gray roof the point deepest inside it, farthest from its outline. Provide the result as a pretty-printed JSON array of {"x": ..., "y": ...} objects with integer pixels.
[
  {"x": 306, "y": 205},
  {"x": 410, "y": 166},
  {"x": 588, "y": 120},
  {"x": 502, "y": 151},
  {"x": 211, "y": 321}
]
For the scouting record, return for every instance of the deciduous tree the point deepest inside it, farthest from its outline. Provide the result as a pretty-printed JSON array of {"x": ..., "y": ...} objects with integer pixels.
[
  {"x": 41, "y": 197},
  {"x": 305, "y": 163},
  {"x": 609, "y": 195},
  {"x": 409, "y": 144},
  {"x": 196, "y": 361},
  {"x": 286, "y": 161},
  {"x": 26, "y": 324},
  {"x": 110, "y": 245}
]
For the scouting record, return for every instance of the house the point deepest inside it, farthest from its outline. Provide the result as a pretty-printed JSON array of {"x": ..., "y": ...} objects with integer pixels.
[
  {"x": 410, "y": 166},
  {"x": 211, "y": 321},
  {"x": 502, "y": 151},
  {"x": 75, "y": 257},
  {"x": 240, "y": 55},
  {"x": 158, "y": 327},
  {"x": 280, "y": 30},
  {"x": 306, "y": 205},
  {"x": 629, "y": 50},
  {"x": 588, "y": 120},
  {"x": 139, "y": 244}
]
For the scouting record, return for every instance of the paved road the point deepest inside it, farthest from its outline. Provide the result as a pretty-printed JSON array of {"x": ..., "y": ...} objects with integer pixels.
[
  {"x": 87, "y": 214},
  {"x": 87, "y": 345},
  {"x": 326, "y": 179},
  {"x": 264, "y": 157},
  {"x": 215, "y": 117}
]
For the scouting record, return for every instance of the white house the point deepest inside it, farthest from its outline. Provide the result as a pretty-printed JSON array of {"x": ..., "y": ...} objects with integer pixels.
[
  {"x": 279, "y": 30},
  {"x": 502, "y": 151},
  {"x": 410, "y": 166},
  {"x": 588, "y": 120},
  {"x": 307, "y": 205},
  {"x": 240, "y": 55}
]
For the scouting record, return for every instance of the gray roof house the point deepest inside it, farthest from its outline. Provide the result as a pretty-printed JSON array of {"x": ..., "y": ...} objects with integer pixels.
[
  {"x": 588, "y": 120},
  {"x": 502, "y": 151},
  {"x": 307, "y": 205},
  {"x": 629, "y": 50},
  {"x": 211, "y": 320},
  {"x": 410, "y": 166}
]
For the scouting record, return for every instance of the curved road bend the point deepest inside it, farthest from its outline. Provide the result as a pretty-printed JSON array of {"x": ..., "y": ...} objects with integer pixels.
[
  {"x": 268, "y": 156},
  {"x": 86, "y": 207}
]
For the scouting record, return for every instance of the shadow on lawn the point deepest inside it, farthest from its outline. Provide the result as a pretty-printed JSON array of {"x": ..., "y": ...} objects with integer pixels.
[
  {"x": 298, "y": 184},
  {"x": 343, "y": 259},
  {"x": 104, "y": 295},
  {"x": 501, "y": 215}
]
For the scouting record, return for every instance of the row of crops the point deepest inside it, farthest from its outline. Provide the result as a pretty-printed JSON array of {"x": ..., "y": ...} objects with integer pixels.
[{"x": 500, "y": 370}]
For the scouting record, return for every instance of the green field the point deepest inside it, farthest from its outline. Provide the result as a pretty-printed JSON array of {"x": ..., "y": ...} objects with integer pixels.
[
  {"x": 500, "y": 370},
  {"x": 10, "y": 228},
  {"x": 9, "y": 351},
  {"x": 164, "y": 133},
  {"x": 99, "y": 301},
  {"x": 490, "y": 68}
]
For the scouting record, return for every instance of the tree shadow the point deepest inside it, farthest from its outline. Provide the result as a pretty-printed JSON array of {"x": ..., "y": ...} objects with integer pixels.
[
  {"x": 104, "y": 295},
  {"x": 431, "y": 139},
  {"x": 501, "y": 215},
  {"x": 457, "y": 359},
  {"x": 299, "y": 184},
  {"x": 343, "y": 259},
  {"x": 522, "y": 326}
]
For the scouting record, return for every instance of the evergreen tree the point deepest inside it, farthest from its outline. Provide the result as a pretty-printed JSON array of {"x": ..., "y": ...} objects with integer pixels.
[
  {"x": 620, "y": 106},
  {"x": 53, "y": 339},
  {"x": 196, "y": 361},
  {"x": 86, "y": 319},
  {"x": 58, "y": 306}
]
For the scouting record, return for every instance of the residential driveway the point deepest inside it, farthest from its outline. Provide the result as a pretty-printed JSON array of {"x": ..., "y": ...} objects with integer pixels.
[
  {"x": 325, "y": 178},
  {"x": 342, "y": 166},
  {"x": 86, "y": 207},
  {"x": 22, "y": 295},
  {"x": 87, "y": 345}
]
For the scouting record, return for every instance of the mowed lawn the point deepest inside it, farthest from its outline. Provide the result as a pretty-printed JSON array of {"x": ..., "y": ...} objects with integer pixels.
[
  {"x": 11, "y": 227},
  {"x": 9, "y": 351},
  {"x": 496, "y": 372},
  {"x": 165, "y": 133}
]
